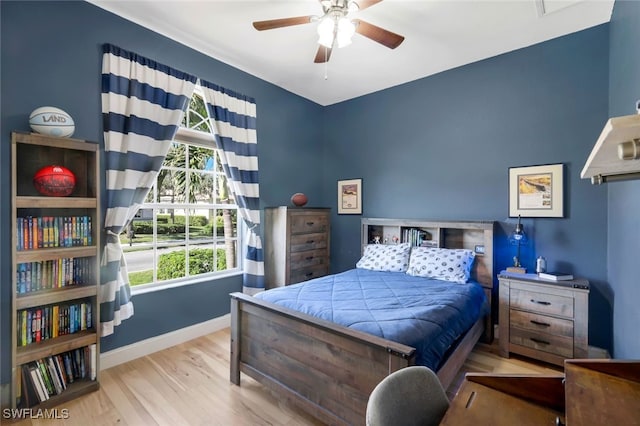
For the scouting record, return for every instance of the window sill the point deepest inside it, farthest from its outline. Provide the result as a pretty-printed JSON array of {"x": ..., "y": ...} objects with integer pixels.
[{"x": 149, "y": 288}]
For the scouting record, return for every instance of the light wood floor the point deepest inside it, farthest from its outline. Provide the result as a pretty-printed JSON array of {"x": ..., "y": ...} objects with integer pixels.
[{"x": 189, "y": 384}]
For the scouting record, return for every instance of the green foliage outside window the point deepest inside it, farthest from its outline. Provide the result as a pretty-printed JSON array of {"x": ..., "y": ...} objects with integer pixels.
[{"x": 172, "y": 265}]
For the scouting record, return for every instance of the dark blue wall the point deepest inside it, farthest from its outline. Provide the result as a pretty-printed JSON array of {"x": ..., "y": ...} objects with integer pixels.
[
  {"x": 441, "y": 147},
  {"x": 51, "y": 55},
  {"x": 436, "y": 148},
  {"x": 624, "y": 197}
]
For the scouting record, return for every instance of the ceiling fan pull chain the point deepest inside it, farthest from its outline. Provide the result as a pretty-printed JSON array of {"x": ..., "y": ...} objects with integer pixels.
[{"x": 326, "y": 65}]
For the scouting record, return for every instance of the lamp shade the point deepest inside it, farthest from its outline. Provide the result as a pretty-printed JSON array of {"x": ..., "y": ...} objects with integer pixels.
[
  {"x": 325, "y": 31},
  {"x": 346, "y": 30},
  {"x": 518, "y": 233},
  {"x": 330, "y": 27}
]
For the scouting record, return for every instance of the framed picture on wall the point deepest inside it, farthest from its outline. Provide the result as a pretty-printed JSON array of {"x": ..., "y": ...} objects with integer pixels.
[
  {"x": 536, "y": 191},
  {"x": 350, "y": 196}
]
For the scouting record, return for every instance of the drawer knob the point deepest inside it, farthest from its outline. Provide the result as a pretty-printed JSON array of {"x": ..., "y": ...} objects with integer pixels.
[
  {"x": 540, "y": 341},
  {"x": 310, "y": 223},
  {"x": 310, "y": 241},
  {"x": 308, "y": 274},
  {"x": 308, "y": 258},
  {"x": 544, "y": 324},
  {"x": 540, "y": 302}
]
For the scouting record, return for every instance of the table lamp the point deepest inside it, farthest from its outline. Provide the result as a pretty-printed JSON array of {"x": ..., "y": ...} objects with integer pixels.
[{"x": 517, "y": 238}]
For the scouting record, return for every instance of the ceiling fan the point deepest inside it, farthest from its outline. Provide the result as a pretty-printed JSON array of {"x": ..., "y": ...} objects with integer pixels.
[{"x": 335, "y": 28}]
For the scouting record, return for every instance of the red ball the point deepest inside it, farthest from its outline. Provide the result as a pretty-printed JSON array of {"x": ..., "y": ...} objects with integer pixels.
[
  {"x": 299, "y": 199},
  {"x": 54, "y": 181}
]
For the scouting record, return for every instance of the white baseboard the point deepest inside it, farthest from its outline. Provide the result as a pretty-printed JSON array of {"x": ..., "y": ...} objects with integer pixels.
[{"x": 164, "y": 341}]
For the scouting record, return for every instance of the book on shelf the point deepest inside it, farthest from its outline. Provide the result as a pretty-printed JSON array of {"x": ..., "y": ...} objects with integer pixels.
[
  {"x": 38, "y": 382},
  {"x": 50, "y": 376},
  {"x": 555, "y": 276},
  {"x": 48, "y": 322},
  {"x": 57, "y": 383},
  {"x": 93, "y": 357},
  {"x": 429, "y": 243},
  {"x": 418, "y": 237},
  {"x": 46, "y": 378},
  {"x": 29, "y": 395},
  {"x": 50, "y": 274},
  {"x": 47, "y": 232}
]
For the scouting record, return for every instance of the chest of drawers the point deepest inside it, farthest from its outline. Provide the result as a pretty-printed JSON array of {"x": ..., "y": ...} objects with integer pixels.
[
  {"x": 543, "y": 319},
  {"x": 296, "y": 244}
]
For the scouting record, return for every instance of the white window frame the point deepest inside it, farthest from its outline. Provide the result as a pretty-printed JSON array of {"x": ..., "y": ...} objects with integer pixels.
[{"x": 205, "y": 140}]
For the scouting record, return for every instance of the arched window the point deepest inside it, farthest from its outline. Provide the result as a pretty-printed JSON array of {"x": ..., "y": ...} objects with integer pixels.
[{"x": 187, "y": 228}]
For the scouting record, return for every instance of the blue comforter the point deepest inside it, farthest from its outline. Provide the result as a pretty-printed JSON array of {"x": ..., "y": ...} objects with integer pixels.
[{"x": 426, "y": 314}]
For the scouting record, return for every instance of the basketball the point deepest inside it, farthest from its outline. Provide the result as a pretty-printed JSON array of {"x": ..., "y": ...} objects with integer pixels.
[
  {"x": 51, "y": 121},
  {"x": 299, "y": 199},
  {"x": 54, "y": 181}
]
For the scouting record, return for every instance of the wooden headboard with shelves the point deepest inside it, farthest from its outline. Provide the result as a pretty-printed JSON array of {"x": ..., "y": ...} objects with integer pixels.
[{"x": 472, "y": 235}]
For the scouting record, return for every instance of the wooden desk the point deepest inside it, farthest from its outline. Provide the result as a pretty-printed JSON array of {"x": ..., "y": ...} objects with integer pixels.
[{"x": 596, "y": 392}]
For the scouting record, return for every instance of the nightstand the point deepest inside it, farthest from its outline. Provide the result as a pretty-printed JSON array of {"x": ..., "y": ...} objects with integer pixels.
[{"x": 543, "y": 319}]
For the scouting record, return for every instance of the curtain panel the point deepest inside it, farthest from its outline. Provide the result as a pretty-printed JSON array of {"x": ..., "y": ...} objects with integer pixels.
[
  {"x": 142, "y": 105},
  {"x": 233, "y": 118}
]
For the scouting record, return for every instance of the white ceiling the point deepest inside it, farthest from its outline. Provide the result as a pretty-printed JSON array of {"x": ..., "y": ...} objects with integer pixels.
[{"x": 439, "y": 35}]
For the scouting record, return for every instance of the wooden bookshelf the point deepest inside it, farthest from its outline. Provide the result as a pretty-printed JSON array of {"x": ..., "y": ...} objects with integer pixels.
[{"x": 62, "y": 274}]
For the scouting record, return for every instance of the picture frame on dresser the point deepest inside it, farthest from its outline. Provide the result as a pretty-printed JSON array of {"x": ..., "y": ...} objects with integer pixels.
[
  {"x": 536, "y": 191},
  {"x": 350, "y": 196}
]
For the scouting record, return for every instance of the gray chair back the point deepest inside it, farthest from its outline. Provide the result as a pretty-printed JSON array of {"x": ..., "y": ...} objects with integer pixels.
[{"x": 407, "y": 397}]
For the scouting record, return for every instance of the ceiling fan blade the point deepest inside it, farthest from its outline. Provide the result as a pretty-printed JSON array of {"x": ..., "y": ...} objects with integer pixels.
[
  {"x": 323, "y": 55},
  {"x": 363, "y": 4},
  {"x": 283, "y": 22},
  {"x": 375, "y": 33}
]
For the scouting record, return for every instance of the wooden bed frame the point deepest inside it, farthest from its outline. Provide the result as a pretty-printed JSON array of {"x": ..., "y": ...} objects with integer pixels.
[{"x": 329, "y": 370}]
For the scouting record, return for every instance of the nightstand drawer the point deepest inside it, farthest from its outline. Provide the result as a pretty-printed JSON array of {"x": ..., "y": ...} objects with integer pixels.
[
  {"x": 557, "y": 345},
  {"x": 541, "y": 323},
  {"x": 304, "y": 274},
  {"x": 307, "y": 223},
  {"x": 304, "y": 242},
  {"x": 544, "y": 303},
  {"x": 304, "y": 259}
]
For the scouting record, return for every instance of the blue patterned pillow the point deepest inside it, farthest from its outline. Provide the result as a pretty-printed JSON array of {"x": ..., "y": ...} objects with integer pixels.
[
  {"x": 385, "y": 257},
  {"x": 441, "y": 263}
]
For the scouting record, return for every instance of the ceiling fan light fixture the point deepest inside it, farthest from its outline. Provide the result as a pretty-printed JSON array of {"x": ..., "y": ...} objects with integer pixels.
[
  {"x": 334, "y": 27},
  {"x": 325, "y": 31},
  {"x": 346, "y": 30}
]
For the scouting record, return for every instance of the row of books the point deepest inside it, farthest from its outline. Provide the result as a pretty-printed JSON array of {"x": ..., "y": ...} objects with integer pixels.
[
  {"x": 49, "y": 231},
  {"x": 48, "y": 322},
  {"x": 415, "y": 236},
  {"x": 58, "y": 273},
  {"x": 50, "y": 376}
]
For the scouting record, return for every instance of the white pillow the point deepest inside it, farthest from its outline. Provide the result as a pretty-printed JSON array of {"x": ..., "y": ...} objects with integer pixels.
[
  {"x": 441, "y": 263},
  {"x": 385, "y": 257}
]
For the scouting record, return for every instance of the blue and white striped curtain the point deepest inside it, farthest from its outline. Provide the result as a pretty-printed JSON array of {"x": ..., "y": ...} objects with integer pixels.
[
  {"x": 233, "y": 118},
  {"x": 142, "y": 106}
]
